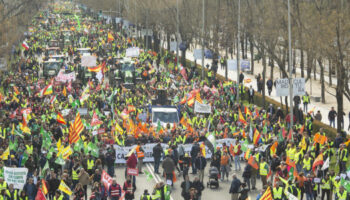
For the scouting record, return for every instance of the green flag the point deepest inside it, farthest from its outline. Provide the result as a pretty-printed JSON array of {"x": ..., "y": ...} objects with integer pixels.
[
  {"x": 280, "y": 136},
  {"x": 94, "y": 150},
  {"x": 13, "y": 145},
  {"x": 245, "y": 146},
  {"x": 148, "y": 175},
  {"x": 345, "y": 183},
  {"x": 49, "y": 154},
  {"x": 79, "y": 145},
  {"x": 159, "y": 127},
  {"x": 24, "y": 158},
  {"x": 59, "y": 160},
  {"x": 75, "y": 103},
  {"x": 43, "y": 171}
]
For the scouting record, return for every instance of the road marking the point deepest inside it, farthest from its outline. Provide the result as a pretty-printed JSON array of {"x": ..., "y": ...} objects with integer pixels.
[{"x": 156, "y": 177}]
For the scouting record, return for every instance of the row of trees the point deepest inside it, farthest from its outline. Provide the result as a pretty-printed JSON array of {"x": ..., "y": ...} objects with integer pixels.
[
  {"x": 15, "y": 16},
  {"x": 320, "y": 32}
]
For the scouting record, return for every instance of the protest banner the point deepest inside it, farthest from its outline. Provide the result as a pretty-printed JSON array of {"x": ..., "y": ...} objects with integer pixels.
[
  {"x": 202, "y": 108},
  {"x": 15, "y": 176},
  {"x": 88, "y": 61}
]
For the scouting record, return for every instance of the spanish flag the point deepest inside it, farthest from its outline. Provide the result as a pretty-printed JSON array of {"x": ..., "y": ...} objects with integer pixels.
[
  {"x": 256, "y": 137},
  {"x": 240, "y": 117},
  {"x": 110, "y": 37},
  {"x": 95, "y": 69},
  {"x": 318, "y": 161},
  {"x": 44, "y": 187}
]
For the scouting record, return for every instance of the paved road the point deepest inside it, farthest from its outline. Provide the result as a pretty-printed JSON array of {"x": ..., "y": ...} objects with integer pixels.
[{"x": 208, "y": 194}]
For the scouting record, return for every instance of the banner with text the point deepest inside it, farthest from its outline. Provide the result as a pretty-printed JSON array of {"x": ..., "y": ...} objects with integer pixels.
[
  {"x": 282, "y": 87},
  {"x": 202, "y": 108},
  {"x": 15, "y": 176}
]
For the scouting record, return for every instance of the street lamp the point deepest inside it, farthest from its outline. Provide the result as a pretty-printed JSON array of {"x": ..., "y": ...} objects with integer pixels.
[{"x": 290, "y": 67}]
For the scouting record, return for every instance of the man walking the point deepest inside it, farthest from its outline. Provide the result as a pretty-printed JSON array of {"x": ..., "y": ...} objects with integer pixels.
[
  {"x": 140, "y": 156},
  {"x": 251, "y": 95},
  {"x": 234, "y": 189},
  {"x": 237, "y": 153},
  {"x": 157, "y": 154},
  {"x": 331, "y": 117},
  {"x": 200, "y": 164},
  {"x": 306, "y": 101}
]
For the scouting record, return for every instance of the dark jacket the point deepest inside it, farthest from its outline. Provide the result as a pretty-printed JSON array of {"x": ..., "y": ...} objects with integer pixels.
[
  {"x": 247, "y": 172},
  {"x": 157, "y": 151},
  {"x": 199, "y": 187},
  {"x": 168, "y": 165},
  {"x": 200, "y": 163},
  {"x": 235, "y": 185},
  {"x": 185, "y": 194},
  {"x": 195, "y": 150}
]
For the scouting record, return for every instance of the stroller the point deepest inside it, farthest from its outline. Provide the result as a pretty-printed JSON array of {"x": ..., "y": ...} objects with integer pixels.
[{"x": 213, "y": 178}]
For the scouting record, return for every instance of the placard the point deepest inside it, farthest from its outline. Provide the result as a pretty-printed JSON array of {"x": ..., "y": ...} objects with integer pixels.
[
  {"x": 15, "y": 176},
  {"x": 88, "y": 61},
  {"x": 132, "y": 171},
  {"x": 202, "y": 108},
  {"x": 132, "y": 52},
  {"x": 282, "y": 87},
  {"x": 83, "y": 111},
  {"x": 232, "y": 65}
]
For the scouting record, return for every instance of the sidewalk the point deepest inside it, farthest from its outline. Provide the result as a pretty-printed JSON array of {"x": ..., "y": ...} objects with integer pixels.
[{"x": 316, "y": 88}]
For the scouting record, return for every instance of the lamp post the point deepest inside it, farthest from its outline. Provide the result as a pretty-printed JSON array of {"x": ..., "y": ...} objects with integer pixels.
[{"x": 290, "y": 67}]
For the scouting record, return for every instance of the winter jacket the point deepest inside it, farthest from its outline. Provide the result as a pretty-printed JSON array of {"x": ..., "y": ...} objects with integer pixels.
[{"x": 168, "y": 165}]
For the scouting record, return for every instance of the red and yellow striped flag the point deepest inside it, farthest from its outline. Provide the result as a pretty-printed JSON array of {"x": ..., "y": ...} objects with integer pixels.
[
  {"x": 267, "y": 195},
  {"x": 75, "y": 129},
  {"x": 198, "y": 98},
  {"x": 44, "y": 187}
]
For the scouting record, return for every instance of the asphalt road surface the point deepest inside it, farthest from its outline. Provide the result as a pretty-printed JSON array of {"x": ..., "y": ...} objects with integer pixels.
[{"x": 222, "y": 193}]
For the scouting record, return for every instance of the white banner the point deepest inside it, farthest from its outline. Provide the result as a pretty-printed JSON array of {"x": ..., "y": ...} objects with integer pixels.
[
  {"x": 62, "y": 77},
  {"x": 132, "y": 52},
  {"x": 88, "y": 61},
  {"x": 232, "y": 65},
  {"x": 121, "y": 152},
  {"x": 282, "y": 87},
  {"x": 202, "y": 108},
  {"x": 15, "y": 176}
]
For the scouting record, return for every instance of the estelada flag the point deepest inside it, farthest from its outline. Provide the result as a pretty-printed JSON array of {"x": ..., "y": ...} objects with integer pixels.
[
  {"x": 318, "y": 161},
  {"x": 253, "y": 163},
  {"x": 60, "y": 119},
  {"x": 95, "y": 121}
]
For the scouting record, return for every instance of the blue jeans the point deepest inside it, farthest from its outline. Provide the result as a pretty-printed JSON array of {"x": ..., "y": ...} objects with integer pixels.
[
  {"x": 194, "y": 170},
  {"x": 237, "y": 163},
  {"x": 309, "y": 196},
  {"x": 332, "y": 122},
  {"x": 156, "y": 165}
]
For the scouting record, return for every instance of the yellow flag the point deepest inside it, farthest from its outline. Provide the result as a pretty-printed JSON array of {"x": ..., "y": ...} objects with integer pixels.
[
  {"x": 64, "y": 91},
  {"x": 6, "y": 154},
  {"x": 64, "y": 188},
  {"x": 59, "y": 147},
  {"x": 119, "y": 129},
  {"x": 66, "y": 152},
  {"x": 13, "y": 129},
  {"x": 303, "y": 144}
]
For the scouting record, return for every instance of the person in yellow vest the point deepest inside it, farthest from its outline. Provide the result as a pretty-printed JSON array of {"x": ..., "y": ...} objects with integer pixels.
[
  {"x": 306, "y": 101},
  {"x": 3, "y": 184},
  {"x": 263, "y": 170},
  {"x": 343, "y": 158},
  {"x": 140, "y": 156},
  {"x": 307, "y": 163},
  {"x": 342, "y": 194},
  {"x": 11, "y": 193},
  {"x": 326, "y": 187},
  {"x": 58, "y": 196},
  {"x": 278, "y": 193},
  {"x": 90, "y": 164}
]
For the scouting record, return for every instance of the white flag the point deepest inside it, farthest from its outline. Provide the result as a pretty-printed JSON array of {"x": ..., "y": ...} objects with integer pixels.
[
  {"x": 99, "y": 76},
  {"x": 325, "y": 165}
]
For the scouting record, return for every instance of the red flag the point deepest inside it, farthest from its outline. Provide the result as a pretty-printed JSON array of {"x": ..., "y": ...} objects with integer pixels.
[
  {"x": 183, "y": 72},
  {"x": 60, "y": 119},
  {"x": 69, "y": 87},
  {"x": 44, "y": 187},
  {"x": 40, "y": 195},
  {"x": 253, "y": 163},
  {"x": 95, "y": 121},
  {"x": 106, "y": 179},
  {"x": 256, "y": 137}
]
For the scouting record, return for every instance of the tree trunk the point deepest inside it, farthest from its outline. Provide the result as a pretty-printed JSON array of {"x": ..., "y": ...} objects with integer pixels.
[
  {"x": 302, "y": 62},
  {"x": 168, "y": 41},
  {"x": 251, "y": 44},
  {"x": 264, "y": 77},
  {"x": 323, "y": 99},
  {"x": 242, "y": 45},
  {"x": 330, "y": 63},
  {"x": 183, "y": 57},
  {"x": 272, "y": 65},
  {"x": 156, "y": 41},
  {"x": 314, "y": 65},
  {"x": 294, "y": 61},
  {"x": 246, "y": 46},
  {"x": 339, "y": 96}
]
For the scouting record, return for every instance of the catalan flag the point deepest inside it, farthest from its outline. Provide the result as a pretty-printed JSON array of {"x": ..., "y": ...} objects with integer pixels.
[
  {"x": 267, "y": 195},
  {"x": 198, "y": 98},
  {"x": 76, "y": 128}
]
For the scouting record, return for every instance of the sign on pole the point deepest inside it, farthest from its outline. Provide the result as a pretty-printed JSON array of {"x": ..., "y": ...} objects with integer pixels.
[
  {"x": 232, "y": 65},
  {"x": 245, "y": 65},
  {"x": 282, "y": 87},
  {"x": 15, "y": 176}
]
